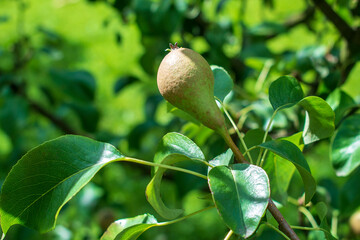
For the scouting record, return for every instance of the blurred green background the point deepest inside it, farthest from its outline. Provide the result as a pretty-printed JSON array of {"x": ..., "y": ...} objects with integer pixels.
[{"x": 89, "y": 68}]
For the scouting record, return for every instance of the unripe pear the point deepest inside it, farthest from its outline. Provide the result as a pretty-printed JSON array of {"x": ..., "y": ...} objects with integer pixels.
[{"x": 186, "y": 81}]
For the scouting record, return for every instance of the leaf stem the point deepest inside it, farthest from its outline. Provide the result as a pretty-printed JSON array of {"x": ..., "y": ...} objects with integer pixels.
[
  {"x": 277, "y": 230},
  {"x": 264, "y": 139},
  {"x": 250, "y": 149},
  {"x": 228, "y": 236},
  {"x": 334, "y": 222},
  {"x": 184, "y": 217},
  {"x": 263, "y": 74},
  {"x": 236, "y": 128},
  {"x": 203, "y": 161},
  {"x": 310, "y": 229},
  {"x": 3, "y": 236},
  {"x": 309, "y": 216},
  {"x": 134, "y": 160}
]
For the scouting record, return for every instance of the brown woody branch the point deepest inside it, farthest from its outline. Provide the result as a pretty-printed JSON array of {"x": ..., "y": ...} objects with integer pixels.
[{"x": 341, "y": 25}]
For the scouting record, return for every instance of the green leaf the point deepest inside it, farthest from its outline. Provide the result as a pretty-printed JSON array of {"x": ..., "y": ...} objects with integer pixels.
[
  {"x": 252, "y": 138},
  {"x": 280, "y": 170},
  {"x": 241, "y": 195},
  {"x": 345, "y": 148},
  {"x": 47, "y": 177},
  {"x": 223, "y": 159},
  {"x": 291, "y": 152},
  {"x": 319, "y": 122},
  {"x": 340, "y": 102},
  {"x": 285, "y": 92},
  {"x": 350, "y": 194},
  {"x": 321, "y": 209},
  {"x": 78, "y": 85},
  {"x": 129, "y": 228},
  {"x": 223, "y": 83},
  {"x": 173, "y": 148}
]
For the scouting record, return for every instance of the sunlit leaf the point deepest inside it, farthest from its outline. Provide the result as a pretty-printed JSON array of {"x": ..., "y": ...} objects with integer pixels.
[
  {"x": 319, "y": 122},
  {"x": 345, "y": 148},
  {"x": 340, "y": 102},
  {"x": 47, "y": 177},
  {"x": 291, "y": 152},
  {"x": 285, "y": 92},
  {"x": 129, "y": 228},
  {"x": 223, "y": 159},
  {"x": 173, "y": 148},
  {"x": 241, "y": 193}
]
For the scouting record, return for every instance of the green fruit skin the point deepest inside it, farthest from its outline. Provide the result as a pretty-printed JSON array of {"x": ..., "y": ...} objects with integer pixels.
[{"x": 186, "y": 81}]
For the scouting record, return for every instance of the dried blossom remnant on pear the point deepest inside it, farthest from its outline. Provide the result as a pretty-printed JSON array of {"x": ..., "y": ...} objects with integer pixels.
[{"x": 186, "y": 81}]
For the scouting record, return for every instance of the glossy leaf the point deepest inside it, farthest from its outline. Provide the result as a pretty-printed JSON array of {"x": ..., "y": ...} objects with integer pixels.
[
  {"x": 345, "y": 148},
  {"x": 223, "y": 84},
  {"x": 129, "y": 228},
  {"x": 340, "y": 102},
  {"x": 241, "y": 194},
  {"x": 319, "y": 122},
  {"x": 285, "y": 92},
  {"x": 173, "y": 148},
  {"x": 47, "y": 177},
  {"x": 280, "y": 170},
  {"x": 223, "y": 159},
  {"x": 291, "y": 152}
]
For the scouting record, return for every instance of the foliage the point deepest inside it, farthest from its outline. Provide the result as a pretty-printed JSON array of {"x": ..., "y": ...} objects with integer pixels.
[{"x": 286, "y": 76}]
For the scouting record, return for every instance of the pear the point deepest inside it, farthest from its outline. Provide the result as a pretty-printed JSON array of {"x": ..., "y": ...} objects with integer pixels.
[{"x": 186, "y": 81}]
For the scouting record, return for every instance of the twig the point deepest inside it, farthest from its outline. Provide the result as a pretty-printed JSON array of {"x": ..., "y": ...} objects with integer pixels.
[
  {"x": 295, "y": 20},
  {"x": 341, "y": 25},
  {"x": 283, "y": 224}
]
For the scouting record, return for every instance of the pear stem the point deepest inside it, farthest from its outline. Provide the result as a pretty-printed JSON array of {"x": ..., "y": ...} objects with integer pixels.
[{"x": 238, "y": 155}]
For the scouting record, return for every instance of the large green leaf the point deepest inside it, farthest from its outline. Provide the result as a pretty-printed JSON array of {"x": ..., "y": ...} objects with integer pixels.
[
  {"x": 280, "y": 170},
  {"x": 173, "y": 148},
  {"x": 223, "y": 84},
  {"x": 241, "y": 195},
  {"x": 129, "y": 228},
  {"x": 345, "y": 148},
  {"x": 291, "y": 152},
  {"x": 47, "y": 177},
  {"x": 319, "y": 121},
  {"x": 285, "y": 92}
]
